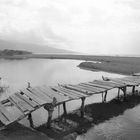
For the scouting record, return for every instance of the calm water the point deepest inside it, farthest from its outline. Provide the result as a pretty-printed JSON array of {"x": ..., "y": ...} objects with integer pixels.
[{"x": 17, "y": 73}]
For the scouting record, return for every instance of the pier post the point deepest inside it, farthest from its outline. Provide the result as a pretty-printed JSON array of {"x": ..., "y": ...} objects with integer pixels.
[
  {"x": 133, "y": 89},
  {"x": 82, "y": 107},
  {"x": 50, "y": 108},
  {"x": 124, "y": 91},
  {"x": 50, "y": 112},
  {"x": 30, "y": 120},
  {"x": 102, "y": 97},
  {"x": 118, "y": 93},
  {"x": 105, "y": 96},
  {"x": 64, "y": 108}
]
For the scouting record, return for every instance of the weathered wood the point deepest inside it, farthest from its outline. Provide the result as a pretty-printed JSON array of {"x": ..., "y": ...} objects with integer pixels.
[
  {"x": 122, "y": 81},
  {"x": 64, "y": 108},
  {"x": 131, "y": 81},
  {"x": 124, "y": 91},
  {"x": 74, "y": 92},
  {"x": 97, "y": 85},
  {"x": 51, "y": 93},
  {"x": 4, "y": 120},
  {"x": 78, "y": 89},
  {"x": 27, "y": 100},
  {"x": 6, "y": 114},
  {"x": 17, "y": 104},
  {"x": 70, "y": 92},
  {"x": 50, "y": 108},
  {"x": 105, "y": 96},
  {"x": 108, "y": 83},
  {"x": 40, "y": 95},
  {"x": 82, "y": 107},
  {"x": 32, "y": 96},
  {"x": 93, "y": 88},
  {"x": 30, "y": 120},
  {"x": 23, "y": 103},
  {"x": 65, "y": 93},
  {"x": 118, "y": 93},
  {"x": 133, "y": 89}
]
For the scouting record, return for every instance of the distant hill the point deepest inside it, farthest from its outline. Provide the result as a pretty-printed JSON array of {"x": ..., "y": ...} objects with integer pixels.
[{"x": 34, "y": 48}]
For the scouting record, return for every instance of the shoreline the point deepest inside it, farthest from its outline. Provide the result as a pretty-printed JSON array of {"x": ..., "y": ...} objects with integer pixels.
[{"x": 68, "y": 127}]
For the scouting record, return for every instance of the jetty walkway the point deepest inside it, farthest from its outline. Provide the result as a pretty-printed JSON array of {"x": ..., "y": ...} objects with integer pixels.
[{"x": 25, "y": 101}]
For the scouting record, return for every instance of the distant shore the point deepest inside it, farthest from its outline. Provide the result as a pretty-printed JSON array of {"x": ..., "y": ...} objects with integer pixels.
[{"x": 114, "y": 64}]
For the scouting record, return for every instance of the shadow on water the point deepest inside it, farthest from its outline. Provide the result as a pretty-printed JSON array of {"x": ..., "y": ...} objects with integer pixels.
[{"x": 71, "y": 125}]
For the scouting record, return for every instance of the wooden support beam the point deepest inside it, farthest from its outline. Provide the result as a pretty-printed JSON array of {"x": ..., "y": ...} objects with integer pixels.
[
  {"x": 50, "y": 108},
  {"x": 102, "y": 97},
  {"x": 118, "y": 93},
  {"x": 82, "y": 107},
  {"x": 50, "y": 112},
  {"x": 105, "y": 96},
  {"x": 124, "y": 91},
  {"x": 133, "y": 89},
  {"x": 30, "y": 120},
  {"x": 64, "y": 108}
]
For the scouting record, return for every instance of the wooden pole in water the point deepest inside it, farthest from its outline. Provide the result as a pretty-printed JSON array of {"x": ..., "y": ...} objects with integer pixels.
[
  {"x": 124, "y": 91},
  {"x": 30, "y": 120},
  {"x": 50, "y": 112},
  {"x": 105, "y": 96},
  {"x": 118, "y": 93},
  {"x": 82, "y": 107},
  {"x": 50, "y": 108},
  {"x": 102, "y": 97},
  {"x": 64, "y": 108},
  {"x": 133, "y": 89}
]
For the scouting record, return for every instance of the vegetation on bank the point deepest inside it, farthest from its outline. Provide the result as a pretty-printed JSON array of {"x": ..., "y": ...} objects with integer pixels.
[
  {"x": 7, "y": 52},
  {"x": 114, "y": 67}
]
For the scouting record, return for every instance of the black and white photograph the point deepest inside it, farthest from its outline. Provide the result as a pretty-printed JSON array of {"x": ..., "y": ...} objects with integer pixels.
[{"x": 69, "y": 70}]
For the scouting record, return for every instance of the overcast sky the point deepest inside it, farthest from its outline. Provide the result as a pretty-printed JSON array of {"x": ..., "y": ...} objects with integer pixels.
[{"x": 89, "y": 26}]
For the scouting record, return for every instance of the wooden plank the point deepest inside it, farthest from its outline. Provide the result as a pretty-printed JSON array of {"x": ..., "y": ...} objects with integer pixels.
[
  {"x": 129, "y": 80},
  {"x": 93, "y": 90},
  {"x": 16, "y": 102},
  {"x": 97, "y": 85},
  {"x": 24, "y": 103},
  {"x": 108, "y": 83},
  {"x": 96, "y": 89},
  {"x": 3, "y": 119},
  {"x": 52, "y": 93},
  {"x": 121, "y": 81},
  {"x": 27, "y": 100},
  {"x": 79, "y": 89},
  {"x": 137, "y": 80},
  {"x": 48, "y": 98},
  {"x": 64, "y": 93},
  {"x": 6, "y": 114},
  {"x": 73, "y": 91},
  {"x": 40, "y": 95},
  {"x": 33, "y": 97},
  {"x": 132, "y": 83},
  {"x": 86, "y": 88}
]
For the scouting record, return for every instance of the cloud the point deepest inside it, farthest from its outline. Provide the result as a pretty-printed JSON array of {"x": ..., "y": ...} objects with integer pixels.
[{"x": 92, "y": 26}]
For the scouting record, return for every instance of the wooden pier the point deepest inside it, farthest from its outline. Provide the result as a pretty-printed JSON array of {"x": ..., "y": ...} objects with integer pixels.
[{"x": 30, "y": 99}]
